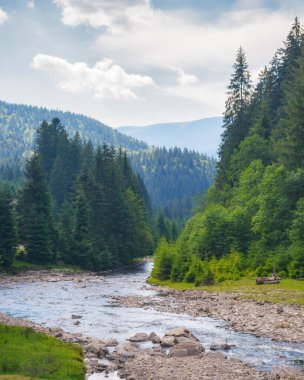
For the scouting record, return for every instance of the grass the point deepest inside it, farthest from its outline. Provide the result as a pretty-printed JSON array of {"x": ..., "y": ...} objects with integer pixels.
[
  {"x": 21, "y": 266},
  {"x": 26, "y": 354},
  {"x": 288, "y": 291}
]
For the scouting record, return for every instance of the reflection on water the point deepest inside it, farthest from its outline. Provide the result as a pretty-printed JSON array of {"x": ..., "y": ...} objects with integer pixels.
[{"x": 53, "y": 303}]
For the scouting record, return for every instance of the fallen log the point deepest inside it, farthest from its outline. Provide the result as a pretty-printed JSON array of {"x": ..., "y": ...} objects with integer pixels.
[{"x": 274, "y": 279}]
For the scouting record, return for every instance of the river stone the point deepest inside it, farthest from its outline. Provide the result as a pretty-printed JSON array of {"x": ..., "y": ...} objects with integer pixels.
[
  {"x": 152, "y": 335},
  {"x": 223, "y": 346},
  {"x": 186, "y": 349},
  {"x": 74, "y": 316},
  {"x": 216, "y": 355},
  {"x": 190, "y": 338},
  {"x": 110, "y": 342},
  {"x": 168, "y": 341},
  {"x": 99, "y": 349},
  {"x": 139, "y": 337},
  {"x": 156, "y": 339},
  {"x": 127, "y": 347},
  {"x": 177, "y": 332}
]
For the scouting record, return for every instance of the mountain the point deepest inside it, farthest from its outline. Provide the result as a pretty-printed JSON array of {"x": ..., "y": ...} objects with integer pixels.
[
  {"x": 199, "y": 135},
  {"x": 162, "y": 170}
]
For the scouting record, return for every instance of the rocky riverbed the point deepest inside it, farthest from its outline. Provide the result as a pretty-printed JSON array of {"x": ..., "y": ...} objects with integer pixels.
[
  {"x": 123, "y": 326},
  {"x": 278, "y": 322}
]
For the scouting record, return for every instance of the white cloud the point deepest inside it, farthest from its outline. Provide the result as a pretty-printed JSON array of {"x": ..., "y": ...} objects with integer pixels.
[
  {"x": 31, "y": 4},
  {"x": 3, "y": 16},
  {"x": 183, "y": 78},
  {"x": 105, "y": 79},
  {"x": 115, "y": 15}
]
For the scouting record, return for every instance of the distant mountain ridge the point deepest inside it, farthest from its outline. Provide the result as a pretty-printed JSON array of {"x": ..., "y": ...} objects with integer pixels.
[
  {"x": 172, "y": 177},
  {"x": 202, "y": 135}
]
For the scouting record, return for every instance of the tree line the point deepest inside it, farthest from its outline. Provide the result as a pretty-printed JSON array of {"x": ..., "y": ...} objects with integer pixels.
[
  {"x": 251, "y": 222},
  {"x": 77, "y": 205}
]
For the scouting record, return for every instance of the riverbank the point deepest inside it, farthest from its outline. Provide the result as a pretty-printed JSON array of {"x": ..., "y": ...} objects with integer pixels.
[
  {"x": 114, "y": 297},
  {"x": 133, "y": 361},
  {"x": 260, "y": 318}
]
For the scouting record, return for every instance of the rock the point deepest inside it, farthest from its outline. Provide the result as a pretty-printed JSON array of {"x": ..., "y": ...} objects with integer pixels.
[
  {"x": 74, "y": 316},
  {"x": 186, "y": 349},
  {"x": 216, "y": 355},
  {"x": 156, "y": 339},
  {"x": 139, "y": 337},
  {"x": 182, "y": 339},
  {"x": 127, "y": 347},
  {"x": 168, "y": 341},
  {"x": 223, "y": 346},
  {"x": 179, "y": 331},
  {"x": 77, "y": 323},
  {"x": 152, "y": 335},
  {"x": 98, "y": 349},
  {"x": 110, "y": 342},
  {"x": 90, "y": 362}
]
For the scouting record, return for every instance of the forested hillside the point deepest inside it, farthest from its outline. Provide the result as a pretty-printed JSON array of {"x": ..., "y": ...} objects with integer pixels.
[
  {"x": 77, "y": 205},
  {"x": 252, "y": 221},
  {"x": 19, "y": 124},
  {"x": 172, "y": 177}
]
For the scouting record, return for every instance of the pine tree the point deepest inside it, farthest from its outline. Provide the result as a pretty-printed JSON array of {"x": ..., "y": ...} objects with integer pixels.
[
  {"x": 7, "y": 229},
  {"x": 34, "y": 209},
  {"x": 289, "y": 135},
  {"x": 235, "y": 122},
  {"x": 83, "y": 248}
]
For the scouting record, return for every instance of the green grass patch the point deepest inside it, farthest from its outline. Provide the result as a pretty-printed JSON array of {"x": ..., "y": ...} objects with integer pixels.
[
  {"x": 21, "y": 266},
  {"x": 27, "y": 354},
  {"x": 288, "y": 291}
]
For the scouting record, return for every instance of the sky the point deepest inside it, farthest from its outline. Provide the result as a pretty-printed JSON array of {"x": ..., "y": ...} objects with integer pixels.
[{"x": 135, "y": 62}]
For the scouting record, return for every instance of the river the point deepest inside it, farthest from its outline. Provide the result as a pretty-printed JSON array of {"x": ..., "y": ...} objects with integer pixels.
[{"x": 53, "y": 303}]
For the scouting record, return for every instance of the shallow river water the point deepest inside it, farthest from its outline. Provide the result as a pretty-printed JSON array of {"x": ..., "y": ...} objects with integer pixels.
[{"x": 53, "y": 303}]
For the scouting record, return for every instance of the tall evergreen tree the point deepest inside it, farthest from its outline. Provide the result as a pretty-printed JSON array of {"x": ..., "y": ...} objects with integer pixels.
[
  {"x": 235, "y": 121},
  {"x": 35, "y": 220},
  {"x": 7, "y": 229}
]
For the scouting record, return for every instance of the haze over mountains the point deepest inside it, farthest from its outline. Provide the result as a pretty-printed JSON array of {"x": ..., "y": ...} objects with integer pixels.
[
  {"x": 172, "y": 176},
  {"x": 202, "y": 135}
]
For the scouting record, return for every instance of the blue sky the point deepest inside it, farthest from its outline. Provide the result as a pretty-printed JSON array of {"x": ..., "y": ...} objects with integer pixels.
[{"x": 134, "y": 62}]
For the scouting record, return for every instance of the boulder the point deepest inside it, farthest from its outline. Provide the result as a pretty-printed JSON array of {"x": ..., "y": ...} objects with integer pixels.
[
  {"x": 152, "y": 335},
  {"x": 139, "y": 337},
  {"x": 98, "y": 349},
  {"x": 156, "y": 339},
  {"x": 190, "y": 338},
  {"x": 110, "y": 342},
  {"x": 186, "y": 349},
  {"x": 127, "y": 347},
  {"x": 168, "y": 341},
  {"x": 177, "y": 332}
]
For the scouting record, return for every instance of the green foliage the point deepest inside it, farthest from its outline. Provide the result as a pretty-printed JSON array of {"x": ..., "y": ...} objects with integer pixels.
[
  {"x": 164, "y": 255},
  {"x": 34, "y": 214},
  {"x": 251, "y": 221},
  {"x": 93, "y": 216},
  {"x": 173, "y": 177},
  {"x": 35, "y": 355},
  {"x": 8, "y": 238}
]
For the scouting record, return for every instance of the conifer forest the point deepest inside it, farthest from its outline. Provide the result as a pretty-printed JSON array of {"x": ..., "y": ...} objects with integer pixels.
[{"x": 151, "y": 190}]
